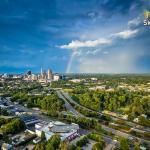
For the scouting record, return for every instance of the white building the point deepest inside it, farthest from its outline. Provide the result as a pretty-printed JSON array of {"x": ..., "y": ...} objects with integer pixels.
[
  {"x": 66, "y": 131},
  {"x": 94, "y": 79},
  {"x": 76, "y": 80},
  {"x": 136, "y": 120},
  {"x": 56, "y": 77},
  {"x": 34, "y": 77},
  {"x": 16, "y": 76},
  {"x": 102, "y": 87},
  {"x": 31, "y": 77},
  {"x": 6, "y": 146}
]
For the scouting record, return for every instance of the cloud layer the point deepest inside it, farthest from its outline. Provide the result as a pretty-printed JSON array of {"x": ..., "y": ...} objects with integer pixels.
[
  {"x": 78, "y": 44},
  {"x": 126, "y": 34}
]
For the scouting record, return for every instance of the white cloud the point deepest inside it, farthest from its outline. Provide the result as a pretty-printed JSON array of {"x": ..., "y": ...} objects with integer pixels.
[
  {"x": 134, "y": 22},
  {"x": 77, "y": 53},
  {"x": 93, "y": 52},
  {"x": 91, "y": 43},
  {"x": 76, "y": 44},
  {"x": 85, "y": 54},
  {"x": 105, "y": 52},
  {"x": 126, "y": 34}
]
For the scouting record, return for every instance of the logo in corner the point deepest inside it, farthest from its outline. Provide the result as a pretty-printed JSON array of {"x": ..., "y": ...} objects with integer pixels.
[{"x": 147, "y": 18}]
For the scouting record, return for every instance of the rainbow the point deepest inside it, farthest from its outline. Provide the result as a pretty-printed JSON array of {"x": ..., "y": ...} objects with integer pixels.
[{"x": 68, "y": 69}]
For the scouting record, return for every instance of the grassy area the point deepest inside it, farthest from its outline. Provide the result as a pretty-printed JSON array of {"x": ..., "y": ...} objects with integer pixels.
[{"x": 68, "y": 90}]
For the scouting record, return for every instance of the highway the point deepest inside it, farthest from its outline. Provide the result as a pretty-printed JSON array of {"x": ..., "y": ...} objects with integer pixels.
[
  {"x": 116, "y": 132},
  {"x": 46, "y": 118},
  {"x": 68, "y": 105},
  {"x": 134, "y": 125}
]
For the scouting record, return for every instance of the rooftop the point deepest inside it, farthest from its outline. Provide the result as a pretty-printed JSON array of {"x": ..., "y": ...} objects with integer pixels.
[{"x": 53, "y": 127}]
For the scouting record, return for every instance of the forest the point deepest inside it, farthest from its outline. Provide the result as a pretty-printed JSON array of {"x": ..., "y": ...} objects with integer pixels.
[
  {"x": 122, "y": 101},
  {"x": 50, "y": 103}
]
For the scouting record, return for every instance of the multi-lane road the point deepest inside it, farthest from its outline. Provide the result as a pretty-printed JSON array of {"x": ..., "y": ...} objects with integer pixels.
[
  {"x": 134, "y": 125},
  {"x": 68, "y": 105},
  {"x": 67, "y": 98}
]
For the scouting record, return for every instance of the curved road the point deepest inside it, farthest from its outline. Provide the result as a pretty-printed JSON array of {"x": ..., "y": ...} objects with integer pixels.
[
  {"x": 116, "y": 132},
  {"x": 68, "y": 105}
]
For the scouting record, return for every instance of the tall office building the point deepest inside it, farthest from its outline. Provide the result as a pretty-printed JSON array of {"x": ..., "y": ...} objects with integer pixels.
[
  {"x": 49, "y": 74},
  {"x": 29, "y": 72},
  {"x": 41, "y": 72}
]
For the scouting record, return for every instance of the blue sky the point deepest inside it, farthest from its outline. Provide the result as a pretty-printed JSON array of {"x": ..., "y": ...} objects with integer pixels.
[{"x": 91, "y": 36}]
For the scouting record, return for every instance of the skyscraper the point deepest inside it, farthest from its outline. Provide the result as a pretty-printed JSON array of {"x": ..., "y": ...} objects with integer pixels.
[
  {"x": 41, "y": 71},
  {"x": 49, "y": 74}
]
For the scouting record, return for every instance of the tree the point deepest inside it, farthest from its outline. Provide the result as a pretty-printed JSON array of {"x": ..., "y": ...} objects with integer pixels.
[
  {"x": 96, "y": 137},
  {"x": 3, "y": 112},
  {"x": 72, "y": 147},
  {"x": 136, "y": 146},
  {"x": 124, "y": 144},
  {"x": 97, "y": 146},
  {"x": 43, "y": 138},
  {"x": 98, "y": 128},
  {"x": 49, "y": 146},
  {"x": 54, "y": 141},
  {"x": 14, "y": 126},
  {"x": 144, "y": 121},
  {"x": 82, "y": 141},
  {"x": 78, "y": 148},
  {"x": 63, "y": 146},
  {"x": 40, "y": 146}
]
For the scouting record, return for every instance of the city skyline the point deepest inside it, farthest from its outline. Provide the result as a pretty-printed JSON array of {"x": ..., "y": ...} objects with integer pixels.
[{"x": 74, "y": 36}]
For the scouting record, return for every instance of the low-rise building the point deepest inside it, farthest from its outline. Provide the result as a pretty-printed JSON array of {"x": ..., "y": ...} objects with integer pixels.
[
  {"x": 20, "y": 112},
  {"x": 75, "y": 80},
  {"x": 94, "y": 79},
  {"x": 36, "y": 140},
  {"x": 6, "y": 146},
  {"x": 102, "y": 87},
  {"x": 136, "y": 120},
  {"x": 143, "y": 115},
  {"x": 29, "y": 119},
  {"x": 56, "y": 77},
  {"x": 142, "y": 148},
  {"x": 137, "y": 130},
  {"x": 67, "y": 132},
  {"x": 23, "y": 137}
]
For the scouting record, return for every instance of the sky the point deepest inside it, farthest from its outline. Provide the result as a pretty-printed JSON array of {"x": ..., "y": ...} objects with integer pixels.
[{"x": 74, "y": 36}]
